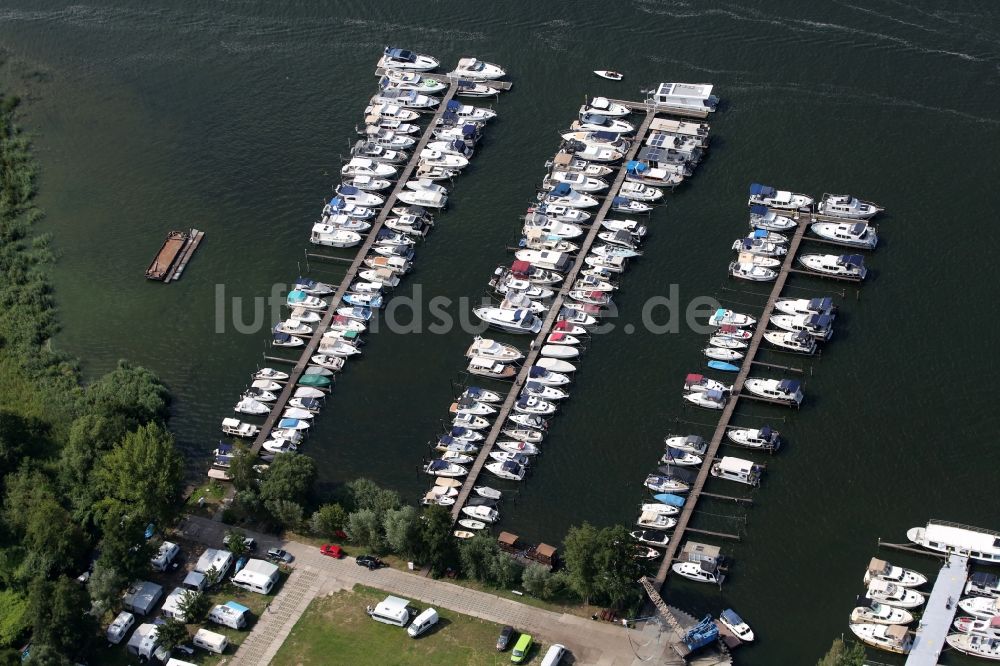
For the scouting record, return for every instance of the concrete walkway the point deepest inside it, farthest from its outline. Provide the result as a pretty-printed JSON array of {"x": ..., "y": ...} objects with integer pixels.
[{"x": 590, "y": 642}]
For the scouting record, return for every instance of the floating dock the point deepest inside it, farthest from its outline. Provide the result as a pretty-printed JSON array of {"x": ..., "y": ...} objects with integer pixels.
[
  {"x": 939, "y": 613},
  {"x": 174, "y": 254},
  {"x": 312, "y": 343}
]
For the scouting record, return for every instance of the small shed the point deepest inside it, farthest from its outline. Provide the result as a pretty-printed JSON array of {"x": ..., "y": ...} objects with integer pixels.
[
  {"x": 545, "y": 554},
  {"x": 508, "y": 542},
  {"x": 701, "y": 552}
]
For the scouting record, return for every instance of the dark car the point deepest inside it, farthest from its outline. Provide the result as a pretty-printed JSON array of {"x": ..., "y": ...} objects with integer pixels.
[
  {"x": 369, "y": 561},
  {"x": 506, "y": 634}
]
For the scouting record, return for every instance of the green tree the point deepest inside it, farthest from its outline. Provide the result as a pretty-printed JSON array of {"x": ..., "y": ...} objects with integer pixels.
[
  {"x": 142, "y": 472},
  {"x": 537, "y": 580},
  {"x": 328, "y": 520},
  {"x": 579, "y": 554},
  {"x": 290, "y": 477},
  {"x": 505, "y": 571},
  {"x": 58, "y": 617},
  {"x": 366, "y": 494},
  {"x": 14, "y": 622},
  {"x": 841, "y": 655},
  {"x": 172, "y": 633},
  {"x": 129, "y": 392},
  {"x": 236, "y": 543},
  {"x": 476, "y": 554},
  {"x": 402, "y": 530},
  {"x": 285, "y": 513},
  {"x": 364, "y": 527},
  {"x": 193, "y": 606},
  {"x": 436, "y": 543},
  {"x": 618, "y": 570},
  {"x": 105, "y": 586},
  {"x": 124, "y": 548},
  {"x": 242, "y": 470}
]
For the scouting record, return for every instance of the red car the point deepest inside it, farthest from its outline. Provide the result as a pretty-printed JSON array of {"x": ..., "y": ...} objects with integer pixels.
[{"x": 332, "y": 550}]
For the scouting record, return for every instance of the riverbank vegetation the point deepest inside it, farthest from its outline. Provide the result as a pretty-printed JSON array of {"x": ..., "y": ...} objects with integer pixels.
[
  {"x": 83, "y": 468},
  {"x": 840, "y": 654}
]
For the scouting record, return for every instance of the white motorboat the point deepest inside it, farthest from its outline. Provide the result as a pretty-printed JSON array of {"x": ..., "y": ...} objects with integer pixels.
[
  {"x": 324, "y": 234},
  {"x": 481, "y": 394},
  {"x": 687, "y": 96},
  {"x": 529, "y": 404},
  {"x": 398, "y": 265},
  {"x": 981, "y": 608},
  {"x": 591, "y": 283},
  {"x": 763, "y": 218},
  {"x": 373, "y": 151},
  {"x": 423, "y": 197},
  {"x": 629, "y": 206},
  {"x": 882, "y": 570},
  {"x": 568, "y": 162},
  {"x": 759, "y": 247},
  {"x": 477, "y": 70},
  {"x": 660, "y": 176},
  {"x": 575, "y": 179},
  {"x": 487, "y": 492},
  {"x": 858, "y": 234},
  {"x": 606, "y": 107},
  {"x": 297, "y": 413},
  {"x": 454, "y": 147},
  {"x": 640, "y": 192},
  {"x": 252, "y": 407},
  {"x": 293, "y": 327},
  {"x": 511, "y": 284},
  {"x": 396, "y": 58},
  {"x": 573, "y": 316},
  {"x": 411, "y": 80},
  {"x": 874, "y": 612},
  {"x": 346, "y": 222},
  {"x": 340, "y": 348},
  {"x": 397, "y": 126},
  {"x": 780, "y": 390},
  {"x": 594, "y": 153},
  {"x": 546, "y": 260},
  {"x": 505, "y": 456},
  {"x": 737, "y": 469},
  {"x": 457, "y": 458},
  {"x": 238, "y": 428},
  {"x": 471, "y": 524},
  {"x": 259, "y": 395},
  {"x": 509, "y": 470},
  {"x": 708, "y": 399},
  {"x": 889, "y": 637},
  {"x": 663, "y": 484},
  {"x": 523, "y": 448},
  {"x": 280, "y": 339},
  {"x": 475, "y": 89},
  {"x": 382, "y": 276},
  {"x": 357, "y": 312},
  {"x": 528, "y": 421},
  {"x": 465, "y": 435},
  {"x": 559, "y": 351},
  {"x": 597, "y": 122},
  {"x": 655, "y": 520},
  {"x": 448, "y": 443},
  {"x": 363, "y": 287},
  {"x": 410, "y": 224},
  {"x": 986, "y": 647},
  {"x": 701, "y": 383},
  {"x": 512, "y": 321},
  {"x": 308, "y": 392},
  {"x": 755, "y": 438},
  {"x": 463, "y": 534},
  {"x": 972, "y": 542},
  {"x": 471, "y": 406},
  {"x": 556, "y": 365},
  {"x": 564, "y": 195},
  {"x": 409, "y": 99},
  {"x": 559, "y": 338},
  {"x": 737, "y": 625},
  {"x": 765, "y": 195},
  {"x": 844, "y": 265},
  {"x": 844, "y": 205},
  {"x": 893, "y": 594},
  {"x": 722, "y": 316},
  {"x": 818, "y": 326},
  {"x": 592, "y": 297},
  {"x": 434, "y": 172},
  {"x": 445, "y": 160},
  {"x": 278, "y": 446},
  {"x": 270, "y": 376},
  {"x": 609, "y": 74},
  {"x": 446, "y": 469},
  {"x": 544, "y": 391},
  {"x": 466, "y": 113},
  {"x": 988, "y": 628},
  {"x": 387, "y": 138},
  {"x": 560, "y": 230},
  {"x": 342, "y": 323},
  {"x": 721, "y": 354},
  {"x": 806, "y": 306},
  {"x": 491, "y": 349},
  {"x": 312, "y": 287},
  {"x": 618, "y": 249},
  {"x": 369, "y": 168},
  {"x": 612, "y": 140},
  {"x": 328, "y": 361},
  {"x": 658, "y": 507},
  {"x": 487, "y": 367},
  {"x": 680, "y": 458},
  {"x": 700, "y": 572},
  {"x": 378, "y": 113},
  {"x": 730, "y": 332},
  {"x": 727, "y": 341},
  {"x": 983, "y": 584},
  {"x": 524, "y": 435},
  {"x": 691, "y": 443},
  {"x": 629, "y": 226},
  {"x": 798, "y": 342}
]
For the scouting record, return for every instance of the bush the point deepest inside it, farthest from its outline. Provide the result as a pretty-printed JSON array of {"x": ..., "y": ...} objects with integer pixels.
[
  {"x": 328, "y": 520},
  {"x": 286, "y": 513}
]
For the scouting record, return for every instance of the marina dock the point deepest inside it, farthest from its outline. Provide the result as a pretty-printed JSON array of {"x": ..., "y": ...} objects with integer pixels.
[
  {"x": 174, "y": 255},
  {"x": 312, "y": 343},
  {"x": 550, "y": 320},
  {"x": 493, "y": 83},
  {"x": 935, "y": 623}
]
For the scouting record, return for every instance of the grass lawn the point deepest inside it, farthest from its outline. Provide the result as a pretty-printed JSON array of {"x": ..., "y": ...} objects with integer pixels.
[{"x": 336, "y": 630}]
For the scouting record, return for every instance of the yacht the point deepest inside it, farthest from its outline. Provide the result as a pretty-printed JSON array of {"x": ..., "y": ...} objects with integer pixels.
[
  {"x": 893, "y": 594},
  {"x": 819, "y": 326},
  {"x": 469, "y": 405},
  {"x": 575, "y": 179},
  {"x": 612, "y": 140},
  {"x": 423, "y": 197},
  {"x": 763, "y": 218},
  {"x": 969, "y": 625},
  {"x": 409, "y": 99},
  {"x": 640, "y": 192},
  {"x": 737, "y": 469},
  {"x": 446, "y": 160},
  {"x": 280, "y": 339},
  {"x": 453, "y": 146},
  {"x": 737, "y": 625},
  {"x": 780, "y": 390},
  {"x": 692, "y": 443},
  {"x": 799, "y": 342},
  {"x": 707, "y": 399},
  {"x": 509, "y": 470},
  {"x": 847, "y": 233},
  {"x": 549, "y": 261},
  {"x": 597, "y": 122},
  {"x": 395, "y": 58},
  {"x": 845, "y": 265},
  {"x": 701, "y": 572},
  {"x": 983, "y": 584},
  {"x": 544, "y": 391},
  {"x": 564, "y": 195},
  {"x": 542, "y": 223},
  {"x": 528, "y": 421},
  {"x": 698, "y": 382},
  {"x": 398, "y": 265},
  {"x": 605, "y": 107},
  {"x": 759, "y": 247},
  {"x": 252, "y": 407},
  {"x": 665, "y": 484},
  {"x": 377, "y": 113},
  {"x": 981, "y": 608},
  {"x": 312, "y": 287},
  {"x": 293, "y": 327},
  {"x": 444, "y": 468},
  {"x": 844, "y": 205},
  {"x": 945, "y": 537},
  {"x": 568, "y": 162},
  {"x": 388, "y": 139},
  {"x": 765, "y": 195},
  {"x": 372, "y": 151},
  {"x": 555, "y": 365},
  {"x": 491, "y": 349},
  {"x": 368, "y": 168},
  {"x": 435, "y": 173},
  {"x": 512, "y": 321},
  {"x": 487, "y": 492},
  {"x": 394, "y": 124},
  {"x": 890, "y": 637},
  {"x": 325, "y": 234},
  {"x": 882, "y": 570},
  {"x": 874, "y": 612},
  {"x": 410, "y": 80},
  {"x": 986, "y": 647},
  {"x": 477, "y": 70},
  {"x": 487, "y": 367},
  {"x": 464, "y": 434},
  {"x": 659, "y": 176},
  {"x": 723, "y": 341},
  {"x": 806, "y": 306},
  {"x": 687, "y": 96},
  {"x": 328, "y": 361},
  {"x": 723, "y": 316},
  {"x": 755, "y": 438}
]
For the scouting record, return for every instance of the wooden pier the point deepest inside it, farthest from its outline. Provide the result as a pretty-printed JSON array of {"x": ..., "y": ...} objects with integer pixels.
[
  {"x": 550, "y": 320},
  {"x": 352, "y": 271},
  {"x": 177, "y": 249}
]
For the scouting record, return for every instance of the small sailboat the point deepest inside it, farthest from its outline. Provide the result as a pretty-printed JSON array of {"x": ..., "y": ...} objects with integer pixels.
[
  {"x": 609, "y": 74},
  {"x": 722, "y": 354}
]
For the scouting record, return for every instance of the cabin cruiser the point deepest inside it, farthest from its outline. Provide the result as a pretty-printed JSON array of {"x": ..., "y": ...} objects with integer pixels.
[
  {"x": 651, "y": 537},
  {"x": 297, "y": 412},
  {"x": 485, "y": 514},
  {"x": 280, "y": 339},
  {"x": 564, "y": 195},
  {"x": 270, "y": 374},
  {"x": 312, "y": 287},
  {"x": 327, "y": 361},
  {"x": 845, "y": 265},
  {"x": 592, "y": 297},
  {"x": 435, "y": 173},
  {"x": 665, "y": 484},
  {"x": 559, "y": 351},
  {"x": 277, "y": 446},
  {"x": 468, "y": 88},
  {"x": 806, "y": 306},
  {"x": 546, "y": 260},
  {"x": 388, "y": 139},
  {"x": 512, "y": 321},
  {"x": 373, "y": 151},
  {"x": 624, "y": 247},
  {"x": 661, "y": 176},
  {"x": 481, "y": 394},
  {"x": 238, "y": 428},
  {"x": 524, "y": 435},
  {"x": 377, "y": 113},
  {"x": 358, "y": 313},
  {"x": 983, "y": 584},
  {"x": 737, "y": 469},
  {"x": 606, "y": 107},
  {"x": 578, "y": 181},
  {"x": 768, "y": 220},
  {"x": 981, "y": 608},
  {"x": 721, "y": 354},
  {"x": 639, "y": 192},
  {"x": 882, "y": 570},
  {"x": 487, "y": 367},
  {"x": 507, "y": 456},
  {"x": 989, "y": 628},
  {"x": 591, "y": 284},
  {"x": 340, "y": 348},
  {"x": 599, "y": 139},
  {"x": 700, "y": 572},
  {"x": 701, "y": 383},
  {"x": 265, "y": 385},
  {"x": 893, "y": 594},
  {"x": 423, "y": 197},
  {"x": 543, "y": 391},
  {"x": 755, "y": 438},
  {"x": 593, "y": 152},
  {"x": 466, "y": 113},
  {"x": 536, "y": 239},
  {"x": 691, "y": 443},
  {"x": 540, "y": 223},
  {"x": 597, "y": 122},
  {"x": 629, "y": 206},
  {"x": 308, "y": 392},
  {"x": 656, "y": 520},
  {"x": 759, "y": 247},
  {"x": 799, "y": 341},
  {"x": 410, "y": 224},
  {"x": 395, "y": 58},
  {"x": 987, "y": 647},
  {"x": 398, "y": 265},
  {"x": 518, "y": 447},
  {"x": 293, "y": 327},
  {"x": 446, "y": 160},
  {"x": 529, "y": 404},
  {"x": 765, "y": 195},
  {"x": 363, "y": 166},
  {"x": 544, "y": 376},
  {"x": 325, "y": 234},
  {"x": 508, "y": 469},
  {"x": 708, "y": 399},
  {"x": 469, "y": 405},
  {"x": 844, "y": 205},
  {"x": 737, "y": 625},
  {"x": 687, "y": 96},
  {"x": 874, "y": 612},
  {"x": 945, "y": 537},
  {"x": 252, "y": 407},
  {"x": 820, "y": 326},
  {"x": 529, "y": 421},
  {"x": 470, "y": 421},
  {"x": 444, "y": 468},
  {"x": 890, "y": 637},
  {"x": 558, "y": 213},
  {"x": 723, "y": 316},
  {"x": 487, "y": 492},
  {"x": 680, "y": 458},
  {"x": 409, "y": 99},
  {"x": 342, "y": 323},
  {"x": 457, "y": 457},
  {"x": 491, "y": 349},
  {"x": 460, "y": 434},
  {"x": 475, "y": 69},
  {"x": 780, "y": 390},
  {"x": 397, "y": 79},
  {"x": 848, "y": 233},
  {"x": 394, "y": 124},
  {"x": 732, "y": 333}
]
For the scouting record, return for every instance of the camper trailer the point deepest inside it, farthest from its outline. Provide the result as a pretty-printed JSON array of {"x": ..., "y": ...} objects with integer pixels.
[
  {"x": 230, "y": 614},
  {"x": 257, "y": 576},
  {"x": 211, "y": 641},
  {"x": 141, "y": 597},
  {"x": 391, "y": 610}
]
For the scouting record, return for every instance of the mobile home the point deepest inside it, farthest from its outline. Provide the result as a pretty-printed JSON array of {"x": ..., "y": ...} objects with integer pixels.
[
  {"x": 211, "y": 641},
  {"x": 216, "y": 560},
  {"x": 391, "y": 610},
  {"x": 257, "y": 576},
  {"x": 230, "y": 614},
  {"x": 165, "y": 555},
  {"x": 142, "y": 597}
]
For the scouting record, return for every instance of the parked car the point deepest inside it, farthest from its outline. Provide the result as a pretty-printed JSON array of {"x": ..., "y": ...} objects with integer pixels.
[
  {"x": 251, "y": 544},
  {"x": 278, "y": 555},
  {"x": 521, "y": 649},
  {"x": 506, "y": 634},
  {"x": 369, "y": 561},
  {"x": 332, "y": 550},
  {"x": 554, "y": 655}
]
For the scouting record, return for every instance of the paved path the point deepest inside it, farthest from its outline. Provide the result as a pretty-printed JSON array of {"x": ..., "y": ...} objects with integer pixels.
[{"x": 590, "y": 642}]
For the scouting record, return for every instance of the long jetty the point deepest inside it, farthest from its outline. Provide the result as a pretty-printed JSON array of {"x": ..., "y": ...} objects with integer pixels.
[
  {"x": 352, "y": 272},
  {"x": 522, "y": 376}
]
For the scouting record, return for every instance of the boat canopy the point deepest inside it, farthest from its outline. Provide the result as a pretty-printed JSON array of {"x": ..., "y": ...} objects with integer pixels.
[
  {"x": 522, "y": 401},
  {"x": 466, "y": 401},
  {"x": 470, "y": 130},
  {"x": 760, "y": 233},
  {"x": 761, "y": 190},
  {"x": 729, "y": 616},
  {"x": 729, "y": 328},
  {"x": 446, "y": 439},
  {"x": 511, "y": 466},
  {"x": 693, "y": 378},
  {"x": 296, "y": 295},
  {"x": 747, "y": 243},
  {"x": 457, "y": 431},
  {"x": 347, "y": 190},
  {"x": 401, "y": 54},
  {"x": 669, "y": 499},
  {"x": 437, "y": 465},
  {"x": 311, "y": 403},
  {"x": 473, "y": 392},
  {"x": 224, "y": 448},
  {"x": 801, "y": 336},
  {"x": 855, "y": 260},
  {"x": 767, "y": 434},
  {"x": 605, "y": 135},
  {"x": 675, "y": 453},
  {"x": 288, "y": 423},
  {"x": 520, "y": 267},
  {"x": 519, "y": 314},
  {"x": 858, "y": 228},
  {"x": 789, "y": 385},
  {"x": 449, "y": 117},
  {"x": 561, "y": 190},
  {"x": 619, "y": 201},
  {"x": 720, "y": 314},
  {"x": 819, "y": 321},
  {"x": 454, "y": 105},
  {"x": 758, "y": 209},
  {"x": 714, "y": 395},
  {"x": 820, "y": 304},
  {"x": 534, "y": 386},
  {"x": 537, "y": 371},
  {"x": 984, "y": 579},
  {"x": 563, "y": 325},
  {"x": 281, "y": 337},
  {"x": 306, "y": 282}
]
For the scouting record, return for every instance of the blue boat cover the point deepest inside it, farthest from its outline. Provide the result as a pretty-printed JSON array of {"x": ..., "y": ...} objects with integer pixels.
[
  {"x": 400, "y": 54},
  {"x": 454, "y": 105},
  {"x": 473, "y": 392},
  {"x": 851, "y": 260},
  {"x": 522, "y": 401},
  {"x": 536, "y": 371},
  {"x": 762, "y": 190},
  {"x": 730, "y": 616},
  {"x": 337, "y": 202},
  {"x": 670, "y": 499},
  {"x": 446, "y": 439},
  {"x": 459, "y": 145},
  {"x": 449, "y": 118},
  {"x": 619, "y": 201},
  {"x": 288, "y": 423},
  {"x": 534, "y": 386},
  {"x": 820, "y": 304},
  {"x": 714, "y": 394},
  {"x": 801, "y": 336},
  {"x": 305, "y": 282},
  {"x": 766, "y": 433},
  {"x": 719, "y": 314},
  {"x": 518, "y": 314},
  {"x": 436, "y": 465},
  {"x": 747, "y": 243},
  {"x": 760, "y": 233},
  {"x": 511, "y": 466},
  {"x": 469, "y": 130},
  {"x": 758, "y": 209},
  {"x": 858, "y": 228},
  {"x": 604, "y": 135},
  {"x": 224, "y": 447},
  {"x": 347, "y": 190},
  {"x": 281, "y": 337},
  {"x": 819, "y": 321},
  {"x": 789, "y": 385},
  {"x": 635, "y": 166},
  {"x": 457, "y": 431},
  {"x": 311, "y": 403},
  {"x": 561, "y": 190}
]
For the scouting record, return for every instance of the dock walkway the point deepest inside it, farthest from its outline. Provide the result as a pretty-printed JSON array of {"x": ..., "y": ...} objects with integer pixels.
[
  {"x": 352, "y": 272},
  {"x": 567, "y": 285},
  {"x": 935, "y": 623}
]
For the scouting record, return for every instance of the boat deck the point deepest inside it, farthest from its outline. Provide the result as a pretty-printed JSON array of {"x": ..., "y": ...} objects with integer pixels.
[
  {"x": 499, "y": 85},
  {"x": 939, "y": 613},
  {"x": 174, "y": 255},
  {"x": 312, "y": 343}
]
